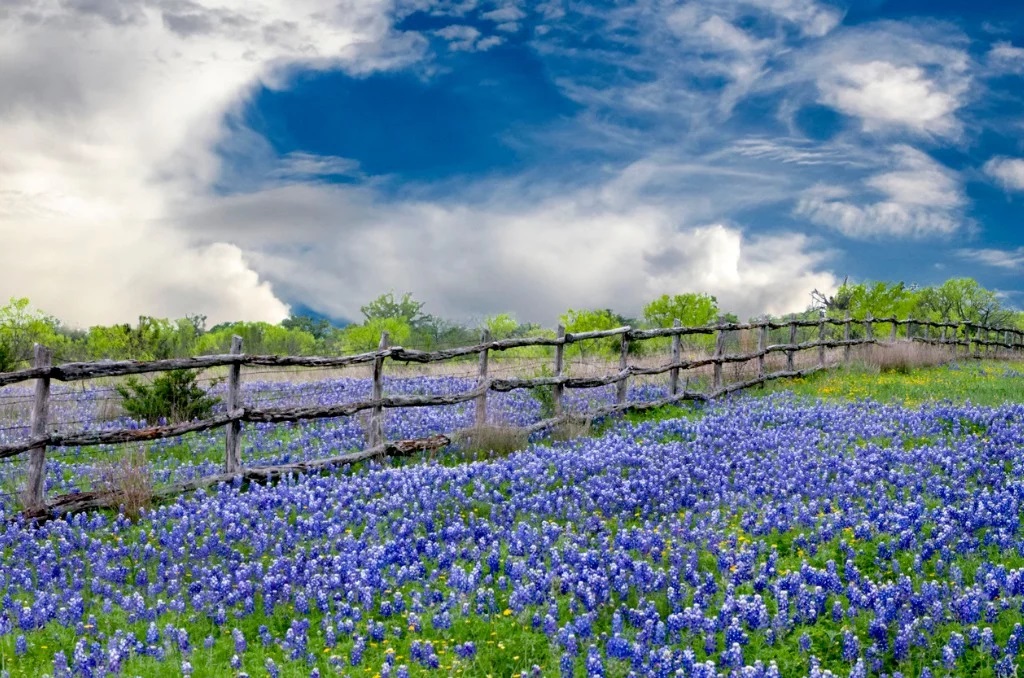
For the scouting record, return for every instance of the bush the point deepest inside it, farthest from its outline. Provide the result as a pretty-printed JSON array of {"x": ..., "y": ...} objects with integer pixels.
[{"x": 173, "y": 396}]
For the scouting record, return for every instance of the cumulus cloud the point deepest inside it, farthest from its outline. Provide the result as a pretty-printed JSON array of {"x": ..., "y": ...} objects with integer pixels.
[
  {"x": 881, "y": 93},
  {"x": 601, "y": 245},
  {"x": 919, "y": 198},
  {"x": 1008, "y": 172},
  {"x": 112, "y": 111}
]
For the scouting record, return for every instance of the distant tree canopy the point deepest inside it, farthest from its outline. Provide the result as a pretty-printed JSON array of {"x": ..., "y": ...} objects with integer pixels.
[{"x": 406, "y": 323}]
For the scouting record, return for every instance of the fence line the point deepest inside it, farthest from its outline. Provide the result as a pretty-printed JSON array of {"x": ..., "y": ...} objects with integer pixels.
[{"x": 43, "y": 372}]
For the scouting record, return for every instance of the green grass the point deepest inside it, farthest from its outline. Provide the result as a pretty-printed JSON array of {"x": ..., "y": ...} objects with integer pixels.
[{"x": 979, "y": 382}]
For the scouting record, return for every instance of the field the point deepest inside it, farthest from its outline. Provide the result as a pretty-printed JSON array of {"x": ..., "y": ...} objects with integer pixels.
[{"x": 848, "y": 524}]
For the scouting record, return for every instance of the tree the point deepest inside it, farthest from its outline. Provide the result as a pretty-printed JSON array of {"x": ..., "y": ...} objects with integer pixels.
[
  {"x": 591, "y": 320},
  {"x": 366, "y": 337},
  {"x": 501, "y": 326},
  {"x": 21, "y": 326},
  {"x": 965, "y": 299},
  {"x": 318, "y": 327},
  {"x": 386, "y": 306},
  {"x": 692, "y": 309}
]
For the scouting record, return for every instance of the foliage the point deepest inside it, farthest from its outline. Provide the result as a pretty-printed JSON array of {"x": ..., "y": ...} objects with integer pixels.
[
  {"x": 386, "y": 306},
  {"x": 591, "y": 320},
  {"x": 692, "y": 309},
  {"x": 150, "y": 339},
  {"x": 319, "y": 328},
  {"x": 366, "y": 337},
  {"x": 544, "y": 395},
  {"x": 173, "y": 396},
  {"x": 21, "y": 327},
  {"x": 501, "y": 326},
  {"x": 259, "y": 338}
]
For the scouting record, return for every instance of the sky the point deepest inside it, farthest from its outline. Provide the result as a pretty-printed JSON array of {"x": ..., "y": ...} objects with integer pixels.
[{"x": 246, "y": 158}]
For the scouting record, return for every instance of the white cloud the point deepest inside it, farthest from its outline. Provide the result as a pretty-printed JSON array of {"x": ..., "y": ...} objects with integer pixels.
[
  {"x": 1005, "y": 56},
  {"x": 920, "y": 198},
  {"x": 111, "y": 114},
  {"x": 881, "y": 94},
  {"x": 1009, "y": 259},
  {"x": 529, "y": 250},
  {"x": 1009, "y": 172}
]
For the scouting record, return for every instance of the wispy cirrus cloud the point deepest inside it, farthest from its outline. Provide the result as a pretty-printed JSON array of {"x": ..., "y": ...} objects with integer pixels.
[
  {"x": 919, "y": 198},
  {"x": 1012, "y": 260}
]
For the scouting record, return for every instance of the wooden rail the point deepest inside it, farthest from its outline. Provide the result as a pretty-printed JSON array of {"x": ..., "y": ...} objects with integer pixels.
[{"x": 952, "y": 334}]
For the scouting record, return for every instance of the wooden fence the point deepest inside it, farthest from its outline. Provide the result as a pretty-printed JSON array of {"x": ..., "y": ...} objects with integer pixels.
[{"x": 954, "y": 335}]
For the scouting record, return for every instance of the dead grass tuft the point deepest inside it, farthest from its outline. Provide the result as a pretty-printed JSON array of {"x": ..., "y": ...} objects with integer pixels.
[
  {"x": 128, "y": 479},
  {"x": 903, "y": 356},
  {"x": 492, "y": 441}
]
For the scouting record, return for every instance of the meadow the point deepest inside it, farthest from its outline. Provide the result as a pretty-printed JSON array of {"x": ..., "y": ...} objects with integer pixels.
[{"x": 852, "y": 523}]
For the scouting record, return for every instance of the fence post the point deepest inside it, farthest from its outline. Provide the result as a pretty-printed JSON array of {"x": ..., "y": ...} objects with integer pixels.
[
  {"x": 34, "y": 496},
  {"x": 621, "y": 386},
  {"x": 792, "y": 341},
  {"x": 846, "y": 338},
  {"x": 821, "y": 341},
  {"x": 558, "y": 389},
  {"x": 762, "y": 344},
  {"x": 233, "y": 431},
  {"x": 869, "y": 328},
  {"x": 481, "y": 400},
  {"x": 677, "y": 353},
  {"x": 892, "y": 332},
  {"x": 375, "y": 433},
  {"x": 719, "y": 352}
]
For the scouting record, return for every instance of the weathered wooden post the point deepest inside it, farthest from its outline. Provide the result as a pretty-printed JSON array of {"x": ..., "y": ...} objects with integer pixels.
[
  {"x": 677, "y": 353},
  {"x": 34, "y": 495},
  {"x": 892, "y": 332},
  {"x": 792, "y": 342},
  {"x": 375, "y": 432},
  {"x": 558, "y": 389},
  {"x": 846, "y": 338},
  {"x": 233, "y": 431},
  {"x": 762, "y": 344},
  {"x": 719, "y": 352},
  {"x": 869, "y": 328},
  {"x": 481, "y": 400},
  {"x": 621, "y": 386},
  {"x": 821, "y": 341}
]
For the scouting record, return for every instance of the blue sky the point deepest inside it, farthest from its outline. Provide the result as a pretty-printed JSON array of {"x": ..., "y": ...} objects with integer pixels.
[{"x": 509, "y": 156}]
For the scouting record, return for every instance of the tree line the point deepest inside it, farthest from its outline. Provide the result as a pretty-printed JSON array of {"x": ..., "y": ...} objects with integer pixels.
[{"x": 407, "y": 323}]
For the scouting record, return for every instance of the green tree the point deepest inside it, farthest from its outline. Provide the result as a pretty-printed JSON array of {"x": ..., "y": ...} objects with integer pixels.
[
  {"x": 692, "y": 309},
  {"x": 591, "y": 320},
  {"x": 173, "y": 396},
  {"x": 386, "y": 306},
  {"x": 501, "y": 326},
  {"x": 965, "y": 299},
  {"x": 366, "y": 337},
  {"x": 22, "y": 326},
  {"x": 318, "y": 327}
]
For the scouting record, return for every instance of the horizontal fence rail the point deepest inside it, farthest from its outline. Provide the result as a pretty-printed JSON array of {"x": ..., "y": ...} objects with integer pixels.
[{"x": 952, "y": 335}]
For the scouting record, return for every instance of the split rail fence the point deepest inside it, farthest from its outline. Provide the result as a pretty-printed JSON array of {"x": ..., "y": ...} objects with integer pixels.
[{"x": 970, "y": 337}]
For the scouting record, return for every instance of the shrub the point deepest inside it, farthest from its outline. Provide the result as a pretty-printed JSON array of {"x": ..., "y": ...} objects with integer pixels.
[{"x": 173, "y": 396}]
